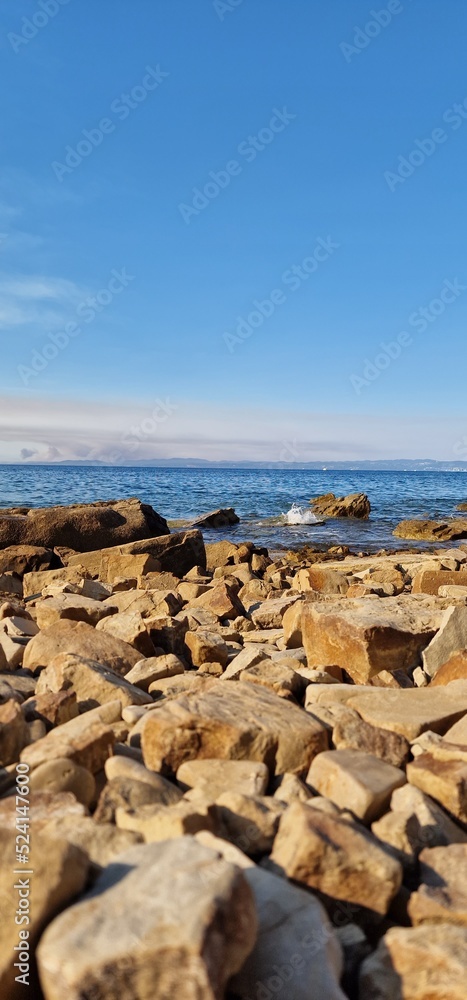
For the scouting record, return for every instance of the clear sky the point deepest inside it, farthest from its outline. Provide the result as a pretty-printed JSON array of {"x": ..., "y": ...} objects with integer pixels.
[{"x": 332, "y": 137}]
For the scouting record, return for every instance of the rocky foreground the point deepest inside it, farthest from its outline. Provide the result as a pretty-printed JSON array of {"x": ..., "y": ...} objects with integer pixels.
[{"x": 227, "y": 776}]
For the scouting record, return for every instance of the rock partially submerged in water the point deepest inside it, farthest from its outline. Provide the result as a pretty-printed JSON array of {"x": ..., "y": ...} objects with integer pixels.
[
  {"x": 432, "y": 531},
  {"x": 221, "y": 518},
  {"x": 353, "y": 505}
]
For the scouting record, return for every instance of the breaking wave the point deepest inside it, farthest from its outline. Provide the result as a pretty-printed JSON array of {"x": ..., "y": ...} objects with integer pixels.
[{"x": 299, "y": 515}]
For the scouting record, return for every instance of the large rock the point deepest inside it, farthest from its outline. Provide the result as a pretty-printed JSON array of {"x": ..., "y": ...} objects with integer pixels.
[
  {"x": 169, "y": 919},
  {"x": 83, "y": 640},
  {"x": 411, "y": 711},
  {"x": 356, "y": 781},
  {"x": 366, "y": 636},
  {"x": 353, "y": 505},
  {"x": 336, "y": 858},
  {"x": 297, "y": 955},
  {"x": 432, "y": 531},
  {"x": 221, "y": 518},
  {"x": 93, "y": 683},
  {"x": 87, "y": 740},
  {"x": 417, "y": 963},
  {"x": 454, "y": 669},
  {"x": 451, "y": 638},
  {"x": 241, "y": 722},
  {"x": 176, "y": 553},
  {"x": 429, "y": 581},
  {"x": 442, "y": 896},
  {"x": 83, "y": 526},
  {"x": 444, "y": 780},
  {"x": 21, "y": 559}
]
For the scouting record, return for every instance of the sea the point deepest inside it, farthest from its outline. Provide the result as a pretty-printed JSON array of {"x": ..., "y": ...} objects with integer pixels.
[{"x": 272, "y": 504}]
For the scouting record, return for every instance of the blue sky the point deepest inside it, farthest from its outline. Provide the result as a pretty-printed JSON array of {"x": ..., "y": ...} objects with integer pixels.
[{"x": 335, "y": 211}]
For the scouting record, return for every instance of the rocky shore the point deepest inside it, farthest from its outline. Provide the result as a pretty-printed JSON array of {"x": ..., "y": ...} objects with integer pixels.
[{"x": 227, "y": 775}]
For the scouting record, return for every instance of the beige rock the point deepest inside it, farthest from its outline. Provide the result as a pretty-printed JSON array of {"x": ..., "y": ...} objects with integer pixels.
[
  {"x": 458, "y": 732},
  {"x": 444, "y": 781},
  {"x": 220, "y": 554},
  {"x": 87, "y": 740},
  {"x": 158, "y": 581},
  {"x": 292, "y": 789},
  {"x": 125, "y": 793},
  {"x": 412, "y": 711},
  {"x": 277, "y": 677},
  {"x": 206, "y": 647},
  {"x": 154, "y": 668},
  {"x": 249, "y": 821},
  {"x": 14, "y": 733},
  {"x": 356, "y": 781},
  {"x": 167, "y": 633},
  {"x": 353, "y": 505},
  {"x": 323, "y": 580},
  {"x": 451, "y": 638},
  {"x": 72, "y": 607},
  {"x": 336, "y": 858},
  {"x": 63, "y": 775},
  {"x": 23, "y": 559},
  {"x": 83, "y": 640},
  {"x": 36, "y": 581},
  {"x": 350, "y": 732},
  {"x": 252, "y": 724},
  {"x": 52, "y": 709},
  {"x": 429, "y": 581},
  {"x": 129, "y": 627},
  {"x": 213, "y": 777},
  {"x": 271, "y": 612},
  {"x": 442, "y": 896},
  {"x": 92, "y": 683},
  {"x": 60, "y": 871},
  {"x": 101, "y": 842},
  {"x": 454, "y": 669},
  {"x": 158, "y": 822},
  {"x": 222, "y": 600},
  {"x": 250, "y": 656},
  {"x": 416, "y": 821},
  {"x": 292, "y": 625},
  {"x": 366, "y": 636},
  {"x": 43, "y": 807},
  {"x": 432, "y": 531},
  {"x": 414, "y": 963},
  {"x": 197, "y": 929}
]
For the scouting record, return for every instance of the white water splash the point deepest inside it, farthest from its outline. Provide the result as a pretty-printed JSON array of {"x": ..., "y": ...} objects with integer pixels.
[{"x": 299, "y": 515}]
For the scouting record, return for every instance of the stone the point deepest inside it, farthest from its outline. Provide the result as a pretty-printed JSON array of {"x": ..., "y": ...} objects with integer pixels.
[
  {"x": 101, "y": 842},
  {"x": 92, "y": 683},
  {"x": 451, "y": 638},
  {"x": 21, "y": 559},
  {"x": 442, "y": 895},
  {"x": 167, "y": 633},
  {"x": 14, "y": 732},
  {"x": 297, "y": 955},
  {"x": 63, "y": 775},
  {"x": 429, "y": 581},
  {"x": 213, "y": 777},
  {"x": 116, "y": 565},
  {"x": 322, "y": 580},
  {"x": 455, "y": 592},
  {"x": 43, "y": 807},
  {"x": 250, "y": 656},
  {"x": 445, "y": 781},
  {"x": 250, "y": 724},
  {"x": 10, "y": 583},
  {"x": 351, "y": 732},
  {"x": 71, "y": 607},
  {"x": 271, "y": 612},
  {"x": 82, "y": 640},
  {"x": 83, "y": 526},
  {"x": 222, "y": 600},
  {"x": 52, "y": 709},
  {"x": 87, "y": 740},
  {"x": 60, "y": 872},
  {"x": 175, "y": 553},
  {"x": 38, "y": 581},
  {"x": 123, "y": 767},
  {"x": 454, "y": 669},
  {"x": 278, "y": 677},
  {"x": 129, "y": 627},
  {"x": 154, "y": 668},
  {"x": 336, "y": 858},
  {"x": 158, "y": 822},
  {"x": 196, "y": 929},
  {"x": 432, "y": 531},
  {"x": 124, "y": 792},
  {"x": 353, "y": 505},
  {"x": 249, "y": 821},
  {"x": 356, "y": 781},
  {"x": 426, "y": 824},
  {"x": 411, "y": 711},
  {"x": 221, "y": 518},
  {"x": 206, "y": 647},
  {"x": 413, "y": 964},
  {"x": 158, "y": 581}
]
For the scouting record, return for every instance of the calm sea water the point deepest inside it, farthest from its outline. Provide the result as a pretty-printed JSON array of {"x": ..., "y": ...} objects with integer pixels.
[{"x": 260, "y": 497}]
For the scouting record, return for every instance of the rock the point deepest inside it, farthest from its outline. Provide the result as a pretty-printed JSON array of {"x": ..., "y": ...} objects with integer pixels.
[
  {"x": 82, "y": 640},
  {"x": 101, "y": 842},
  {"x": 220, "y": 554},
  {"x": 43, "y": 807},
  {"x": 51, "y": 709},
  {"x": 167, "y": 633},
  {"x": 353, "y": 505},
  {"x": 411, "y": 711},
  {"x": 322, "y": 580},
  {"x": 221, "y": 518},
  {"x": 351, "y": 732},
  {"x": 454, "y": 669},
  {"x": 296, "y": 955},
  {"x": 175, "y": 553},
  {"x": 10, "y": 583},
  {"x": 336, "y": 858},
  {"x": 124, "y": 792},
  {"x": 60, "y": 871},
  {"x": 222, "y": 600},
  {"x": 290, "y": 788},
  {"x": 278, "y": 676},
  {"x": 158, "y": 823},
  {"x": 250, "y": 656},
  {"x": 455, "y": 592},
  {"x": 14, "y": 732},
  {"x": 432, "y": 531},
  {"x": 442, "y": 896},
  {"x": 445, "y": 781},
  {"x": 154, "y": 668},
  {"x": 250, "y": 724},
  {"x": 83, "y": 526},
  {"x": 366, "y": 636},
  {"x": 356, "y": 781},
  {"x": 197, "y": 928},
  {"x": 249, "y": 821},
  {"x": 158, "y": 581},
  {"x": 411, "y": 964},
  {"x": 213, "y": 777},
  {"x": 130, "y": 628},
  {"x": 63, "y": 775},
  {"x": 71, "y": 607},
  {"x": 21, "y": 559},
  {"x": 116, "y": 565},
  {"x": 429, "y": 581},
  {"x": 92, "y": 683},
  {"x": 270, "y": 613},
  {"x": 38, "y": 581},
  {"x": 87, "y": 740},
  {"x": 206, "y": 647},
  {"x": 451, "y": 638}
]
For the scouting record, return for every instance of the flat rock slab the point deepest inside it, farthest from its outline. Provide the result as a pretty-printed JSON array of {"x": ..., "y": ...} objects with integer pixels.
[
  {"x": 417, "y": 963},
  {"x": 241, "y": 722},
  {"x": 336, "y": 858},
  {"x": 432, "y": 531},
  {"x": 366, "y": 636},
  {"x": 82, "y": 639},
  {"x": 411, "y": 711},
  {"x": 166, "y": 920},
  {"x": 356, "y": 781},
  {"x": 213, "y": 777}
]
